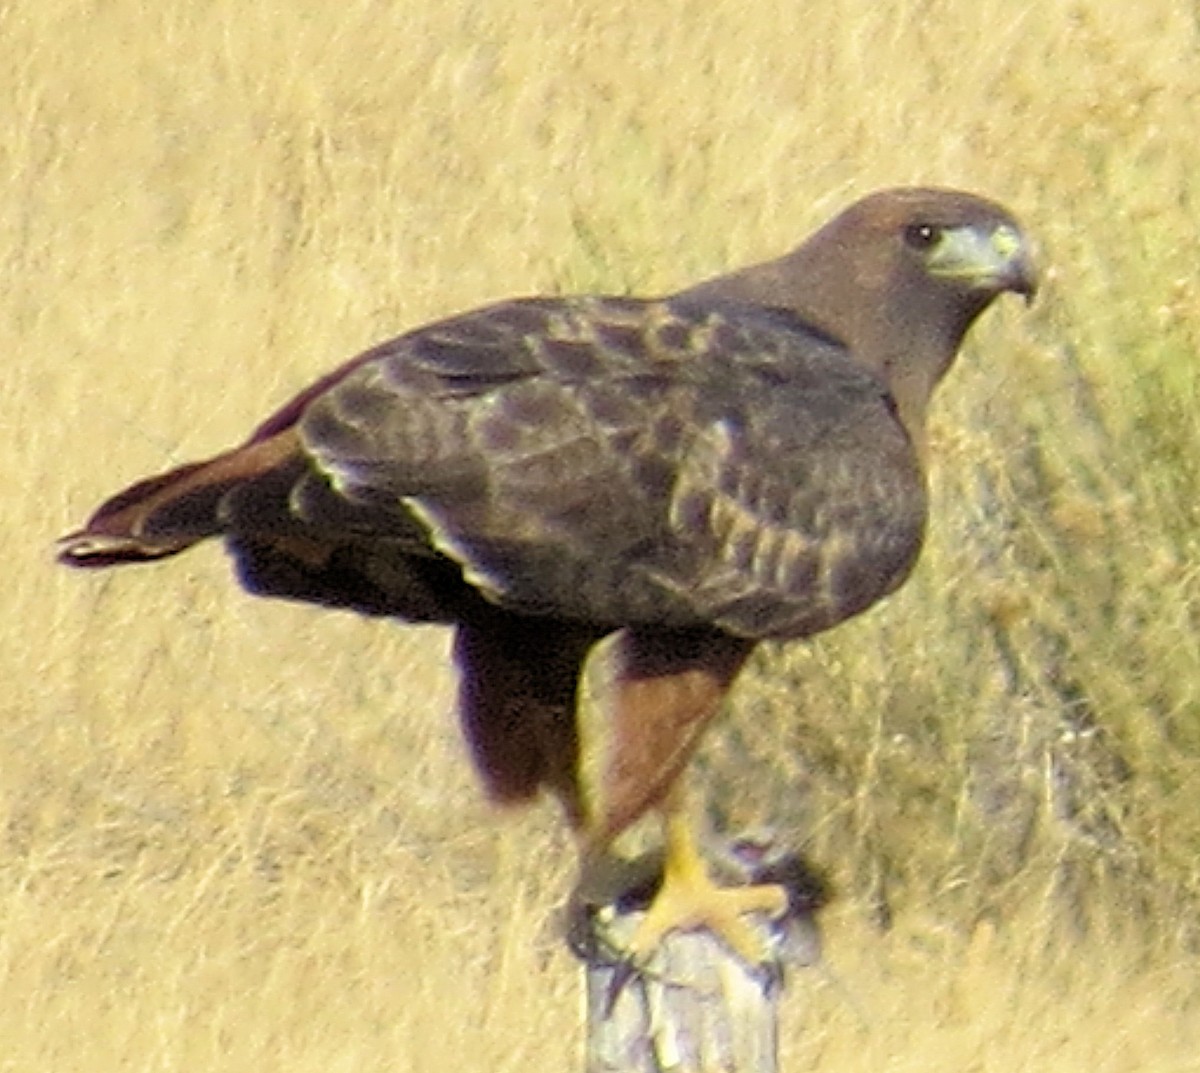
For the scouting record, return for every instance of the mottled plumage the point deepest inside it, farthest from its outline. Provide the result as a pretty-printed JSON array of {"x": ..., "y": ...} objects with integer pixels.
[{"x": 738, "y": 462}]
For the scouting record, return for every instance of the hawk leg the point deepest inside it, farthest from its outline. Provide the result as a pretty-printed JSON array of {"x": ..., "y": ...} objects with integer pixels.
[{"x": 665, "y": 687}]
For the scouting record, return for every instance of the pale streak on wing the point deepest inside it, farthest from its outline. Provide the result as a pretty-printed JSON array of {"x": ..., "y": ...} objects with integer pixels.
[
  {"x": 790, "y": 560},
  {"x": 752, "y": 556},
  {"x": 505, "y": 435}
]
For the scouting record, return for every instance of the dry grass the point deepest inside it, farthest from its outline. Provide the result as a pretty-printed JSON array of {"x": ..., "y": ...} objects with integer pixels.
[{"x": 241, "y": 836}]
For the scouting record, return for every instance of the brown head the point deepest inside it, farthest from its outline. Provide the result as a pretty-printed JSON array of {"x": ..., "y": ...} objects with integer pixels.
[{"x": 899, "y": 277}]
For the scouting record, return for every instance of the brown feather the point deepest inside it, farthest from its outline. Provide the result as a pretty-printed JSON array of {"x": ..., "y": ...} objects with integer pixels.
[
  {"x": 857, "y": 279},
  {"x": 166, "y": 514},
  {"x": 737, "y": 462},
  {"x": 661, "y": 691},
  {"x": 518, "y": 680}
]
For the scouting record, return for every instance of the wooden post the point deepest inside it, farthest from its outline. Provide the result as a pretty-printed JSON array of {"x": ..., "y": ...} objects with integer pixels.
[{"x": 695, "y": 1007}]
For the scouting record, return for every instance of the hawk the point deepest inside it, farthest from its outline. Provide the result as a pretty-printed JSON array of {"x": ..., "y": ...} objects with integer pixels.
[{"x": 741, "y": 461}]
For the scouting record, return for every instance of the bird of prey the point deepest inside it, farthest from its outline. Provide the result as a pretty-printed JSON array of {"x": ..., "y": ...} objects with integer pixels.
[{"x": 738, "y": 462}]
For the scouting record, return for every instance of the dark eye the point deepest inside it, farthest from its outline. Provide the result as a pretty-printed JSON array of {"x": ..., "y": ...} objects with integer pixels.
[{"x": 922, "y": 236}]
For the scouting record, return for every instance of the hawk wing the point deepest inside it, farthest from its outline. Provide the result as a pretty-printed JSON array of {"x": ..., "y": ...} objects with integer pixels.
[{"x": 623, "y": 462}]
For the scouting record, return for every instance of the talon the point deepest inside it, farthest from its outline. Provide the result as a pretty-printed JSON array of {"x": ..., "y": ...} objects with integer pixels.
[{"x": 623, "y": 972}]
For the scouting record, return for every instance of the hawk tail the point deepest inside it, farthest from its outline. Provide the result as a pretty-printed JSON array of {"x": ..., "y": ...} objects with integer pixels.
[{"x": 166, "y": 514}]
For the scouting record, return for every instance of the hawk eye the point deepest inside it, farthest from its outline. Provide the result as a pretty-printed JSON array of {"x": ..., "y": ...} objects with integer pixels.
[{"x": 922, "y": 236}]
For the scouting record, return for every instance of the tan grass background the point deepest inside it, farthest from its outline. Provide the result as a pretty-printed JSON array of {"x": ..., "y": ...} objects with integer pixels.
[{"x": 238, "y": 835}]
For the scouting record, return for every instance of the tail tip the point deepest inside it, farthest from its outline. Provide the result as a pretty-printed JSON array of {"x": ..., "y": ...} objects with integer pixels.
[{"x": 87, "y": 549}]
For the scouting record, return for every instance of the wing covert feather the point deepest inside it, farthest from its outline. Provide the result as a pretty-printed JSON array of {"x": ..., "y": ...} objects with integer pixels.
[{"x": 620, "y": 461}]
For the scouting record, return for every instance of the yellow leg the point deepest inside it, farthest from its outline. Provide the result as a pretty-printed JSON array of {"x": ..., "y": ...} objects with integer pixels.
[{"x": 690, "y": 899}]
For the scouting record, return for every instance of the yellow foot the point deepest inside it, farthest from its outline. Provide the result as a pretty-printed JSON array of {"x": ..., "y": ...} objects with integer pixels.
[{"x": 689, "y": 900}]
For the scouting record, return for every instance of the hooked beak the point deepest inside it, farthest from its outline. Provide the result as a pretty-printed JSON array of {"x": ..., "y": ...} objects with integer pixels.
[{"x": 996, "y": 260}]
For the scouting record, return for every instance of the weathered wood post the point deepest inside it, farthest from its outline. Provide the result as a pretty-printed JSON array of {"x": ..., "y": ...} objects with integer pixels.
[{"x": 695, "y": 1007}]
